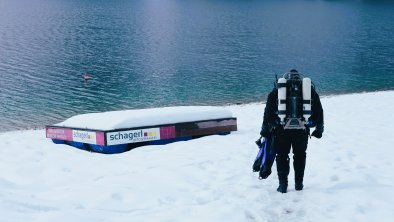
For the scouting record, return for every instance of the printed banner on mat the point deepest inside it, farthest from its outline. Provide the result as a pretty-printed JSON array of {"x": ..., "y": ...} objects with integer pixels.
[
  {"x": 59, "y": 133},
  {"x": 133, "y": 136},
  {"x": 84, "y": 136}
]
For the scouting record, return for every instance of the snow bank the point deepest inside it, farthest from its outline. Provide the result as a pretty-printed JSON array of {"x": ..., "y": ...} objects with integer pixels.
[{"x": 348, "y": 175}]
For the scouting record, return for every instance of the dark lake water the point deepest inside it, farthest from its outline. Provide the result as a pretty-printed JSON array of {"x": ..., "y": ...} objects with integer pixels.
[{"x": 151, "y": 53}]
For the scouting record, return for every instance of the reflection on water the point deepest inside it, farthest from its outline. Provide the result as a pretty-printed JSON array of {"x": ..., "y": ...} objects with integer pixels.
[{"x": 150, "y": 53}]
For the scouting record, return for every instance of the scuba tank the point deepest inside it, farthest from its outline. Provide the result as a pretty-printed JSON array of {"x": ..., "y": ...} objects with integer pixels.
[
  {"x": 282, "y": 99},
  {"x": 294, "y": 100},
  {"x": 307, "y": 98}
]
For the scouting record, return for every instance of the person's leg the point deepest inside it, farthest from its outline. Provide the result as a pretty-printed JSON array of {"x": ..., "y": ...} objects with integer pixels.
[
  {"x": 282, "y": 146},
  {"x": 299, "y": 143}
]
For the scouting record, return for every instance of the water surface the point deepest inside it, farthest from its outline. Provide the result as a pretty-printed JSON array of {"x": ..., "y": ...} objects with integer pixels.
[{"x": 151, "y": 53}]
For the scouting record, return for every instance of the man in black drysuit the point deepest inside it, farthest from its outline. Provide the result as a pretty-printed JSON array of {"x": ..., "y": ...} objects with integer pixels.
[{"x": 287, "y": 138}]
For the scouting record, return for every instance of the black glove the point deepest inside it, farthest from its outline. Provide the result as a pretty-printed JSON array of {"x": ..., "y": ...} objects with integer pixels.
[
  {"x": 265, "y": 131},
  {"x": 318, "y": 132},
  {"x": 259, "y": 143}
]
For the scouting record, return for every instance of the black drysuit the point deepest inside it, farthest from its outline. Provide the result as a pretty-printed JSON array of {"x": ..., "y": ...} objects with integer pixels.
[{"x": 296, "y": 138}]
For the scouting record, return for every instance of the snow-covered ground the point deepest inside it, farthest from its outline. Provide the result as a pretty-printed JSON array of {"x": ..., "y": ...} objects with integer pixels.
[{"x": 349, "y": 174}]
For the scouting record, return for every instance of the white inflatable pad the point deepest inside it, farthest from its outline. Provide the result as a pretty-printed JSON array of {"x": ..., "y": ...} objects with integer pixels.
[{"x": 144, "y": 117}]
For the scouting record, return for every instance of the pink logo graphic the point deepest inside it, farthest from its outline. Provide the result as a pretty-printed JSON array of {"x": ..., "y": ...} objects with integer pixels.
[
  {"x": 167, "y": 132},
  {"x": 59, "y": 134},
  {"x": 100, "y": 138}
]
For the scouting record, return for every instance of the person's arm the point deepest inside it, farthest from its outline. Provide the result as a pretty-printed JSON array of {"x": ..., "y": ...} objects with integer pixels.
[
  {"x": 269, "y": 113},
  {"x": 318, "y": 116}
]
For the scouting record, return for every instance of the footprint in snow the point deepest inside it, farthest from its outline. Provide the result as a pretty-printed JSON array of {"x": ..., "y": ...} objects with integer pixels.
[
  {"x": 288, "y": 211},
  {"x": 334, "y": 178}
]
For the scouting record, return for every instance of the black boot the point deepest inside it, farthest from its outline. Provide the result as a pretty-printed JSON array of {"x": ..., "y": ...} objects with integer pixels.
[
  {"x": 299, "y": 185},
  {"x": 282, "y": 187},
  {"x": 282, "y": 165},
  {"x": 298, "y": 179},
  {"x": 299, "y": 161}
]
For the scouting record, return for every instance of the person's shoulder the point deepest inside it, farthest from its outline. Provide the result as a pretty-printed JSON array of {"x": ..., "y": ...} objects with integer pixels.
[
  {"x": 273, "y": 92},
  {"x": 313, "y": 91},
  {"x": 273, "y": 95}
]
